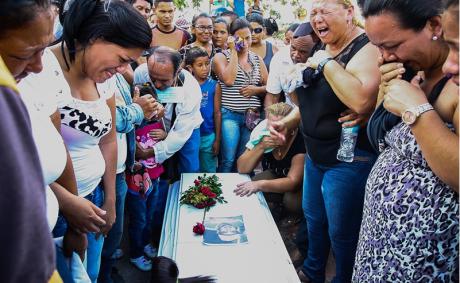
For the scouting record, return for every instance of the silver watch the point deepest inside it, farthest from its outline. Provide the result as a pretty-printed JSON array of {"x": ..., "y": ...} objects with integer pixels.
[{"x": 410, "y": 115}]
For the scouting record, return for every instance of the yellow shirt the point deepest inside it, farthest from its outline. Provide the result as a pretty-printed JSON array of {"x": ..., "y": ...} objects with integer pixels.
[{"x": 6, "y": 79}]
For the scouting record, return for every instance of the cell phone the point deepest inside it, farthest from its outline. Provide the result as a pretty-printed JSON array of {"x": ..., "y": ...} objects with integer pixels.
[
  {"x": 147, "y": 88},
  {"x": 239, "y": 43}
]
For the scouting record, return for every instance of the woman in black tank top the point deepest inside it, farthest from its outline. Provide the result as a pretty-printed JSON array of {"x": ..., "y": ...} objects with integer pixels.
[{"x": 346, "y": 76}]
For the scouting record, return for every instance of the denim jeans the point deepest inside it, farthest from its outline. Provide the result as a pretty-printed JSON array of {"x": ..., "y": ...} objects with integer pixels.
[
  {"x": 235, "y": 135},
  {"x": 332, "y": 201},
  {"x": 140, "y": 214},
  {"x": 93, "y": 252},
  {"x": 189, "y": 154},
  {"x": 113, "y": 240},
  {"x": 208, "y": 161},
  {"x": 159, "y": 206}
]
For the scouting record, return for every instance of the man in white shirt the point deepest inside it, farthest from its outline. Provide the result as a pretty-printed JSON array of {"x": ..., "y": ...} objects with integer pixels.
[
  {"x": 163, "y": 71},
  {"x": 283, "y": 63}
]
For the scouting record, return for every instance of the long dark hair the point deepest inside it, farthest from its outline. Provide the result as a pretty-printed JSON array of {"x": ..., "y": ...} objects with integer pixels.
[
  {"x": 238, "y": 24},
  {"x": 411, "y": 14},
  {"x": 114, "y": 21},
  {"x": 17, "y": 13},
  {"x": 164, "y": 270}
]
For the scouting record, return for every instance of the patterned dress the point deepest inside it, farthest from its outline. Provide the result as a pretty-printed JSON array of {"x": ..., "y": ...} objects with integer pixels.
[{"x": 410, "y": 224}]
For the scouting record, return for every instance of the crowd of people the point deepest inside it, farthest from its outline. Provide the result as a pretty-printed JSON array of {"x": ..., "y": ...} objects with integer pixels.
[{"x": 104, "y": 103}]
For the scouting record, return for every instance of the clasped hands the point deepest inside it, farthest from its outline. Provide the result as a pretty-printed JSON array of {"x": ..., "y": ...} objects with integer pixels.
[{"x": 398, "y": 94}]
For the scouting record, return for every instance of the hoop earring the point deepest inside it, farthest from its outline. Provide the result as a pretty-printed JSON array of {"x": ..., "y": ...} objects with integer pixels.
[{"x": 434, "y": 38}]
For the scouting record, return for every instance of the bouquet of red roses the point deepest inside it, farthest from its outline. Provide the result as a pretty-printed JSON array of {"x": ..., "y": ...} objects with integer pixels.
[{"x": 205, "y": 192}]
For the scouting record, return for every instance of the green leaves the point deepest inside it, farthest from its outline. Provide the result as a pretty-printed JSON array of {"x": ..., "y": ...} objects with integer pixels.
[{"x": 205, "y": 192}]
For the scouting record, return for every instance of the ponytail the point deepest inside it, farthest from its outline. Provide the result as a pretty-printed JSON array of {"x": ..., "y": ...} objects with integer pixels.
[{"x": 79, "y": 11}]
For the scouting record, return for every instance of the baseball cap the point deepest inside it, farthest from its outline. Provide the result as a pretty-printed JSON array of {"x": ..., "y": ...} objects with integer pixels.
[{"x": 303, "y": 29}]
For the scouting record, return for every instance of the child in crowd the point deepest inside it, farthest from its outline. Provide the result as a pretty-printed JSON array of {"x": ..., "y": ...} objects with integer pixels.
[
  {"x": 142, "y": 185},
  {"x": 198, "y": 63},
  {"x": 165, "y": 270}
]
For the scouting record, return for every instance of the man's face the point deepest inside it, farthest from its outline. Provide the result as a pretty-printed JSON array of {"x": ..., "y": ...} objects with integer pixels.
[
  {"x": 165, "y": 13},
  {"x": 301, "y": 48},
  {"x": 161, "y": 72},
  {"x": 143, "y": 7}
]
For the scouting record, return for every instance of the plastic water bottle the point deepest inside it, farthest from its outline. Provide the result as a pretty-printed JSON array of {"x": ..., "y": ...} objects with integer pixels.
[{"x": 348, "y": 140}]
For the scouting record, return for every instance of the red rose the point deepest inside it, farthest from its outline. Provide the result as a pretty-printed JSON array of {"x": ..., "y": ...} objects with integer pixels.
[
  {"x": 205, "y": 191},
  {"x": 212, "y": 195},
  {"x": 199, "y": 228},
  {"x": 200, "y": 205},
  {"x": 196, "y": 182}
]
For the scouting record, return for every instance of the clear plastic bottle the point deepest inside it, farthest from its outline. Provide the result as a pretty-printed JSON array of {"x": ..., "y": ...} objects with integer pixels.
[{"x": 348, "y": 140}]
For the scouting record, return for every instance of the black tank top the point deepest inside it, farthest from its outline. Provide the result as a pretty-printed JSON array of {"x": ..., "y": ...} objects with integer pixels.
[{"x": 320, "y": 109}]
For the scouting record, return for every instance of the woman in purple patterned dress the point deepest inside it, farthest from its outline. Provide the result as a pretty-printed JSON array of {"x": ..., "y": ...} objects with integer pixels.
[{"x": 410, "y": 225}]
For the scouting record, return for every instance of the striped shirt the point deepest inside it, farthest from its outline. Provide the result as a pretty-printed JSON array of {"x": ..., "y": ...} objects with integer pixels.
[{"x": 231, "y": 97}]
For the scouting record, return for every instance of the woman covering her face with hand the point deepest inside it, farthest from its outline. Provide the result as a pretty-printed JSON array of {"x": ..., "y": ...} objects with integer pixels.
[
  {"x": 242, "y": 77},
  {"x": 343, "y": 74},
  {"x": 410, "y": 220}
]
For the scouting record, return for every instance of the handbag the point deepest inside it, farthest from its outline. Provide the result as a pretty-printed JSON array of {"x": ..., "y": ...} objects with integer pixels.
[
  {"x": 139, "y": 182},
  {"x": 252, "y": 118}
]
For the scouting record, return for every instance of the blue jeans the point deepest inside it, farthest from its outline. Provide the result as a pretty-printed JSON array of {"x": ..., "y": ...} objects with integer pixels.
[
  {"x": 94, "y": 250},
  {"x": 235, "y": 135},
  {"x": 332, "y": 201},
  {"x": 159, "y": 206},
  {"x": 113, "y": 240},
  {"x": 189, "y": 154},
  {"x": 208, "y": 161},
  {"x": 140, "y": 214}
]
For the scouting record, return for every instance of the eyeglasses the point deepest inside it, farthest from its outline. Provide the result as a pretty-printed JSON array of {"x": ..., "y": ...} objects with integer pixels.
[
  {"x": 257, "y": 30},
  {"x": 204, "y": 28}
]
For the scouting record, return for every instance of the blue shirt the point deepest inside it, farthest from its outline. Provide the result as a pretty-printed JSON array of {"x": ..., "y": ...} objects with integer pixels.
[
  {"x": 239, "y": 7},
  {"x": 208, "y": 90}
]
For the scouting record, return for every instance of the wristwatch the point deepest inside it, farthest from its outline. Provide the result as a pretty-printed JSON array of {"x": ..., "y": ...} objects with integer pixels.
[
  {"x": 322, "y": 64},
  {"x": 410, "y": 115}
]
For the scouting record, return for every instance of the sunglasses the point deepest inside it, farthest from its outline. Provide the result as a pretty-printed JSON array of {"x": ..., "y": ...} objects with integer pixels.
[{"x": 257, "y": 30}]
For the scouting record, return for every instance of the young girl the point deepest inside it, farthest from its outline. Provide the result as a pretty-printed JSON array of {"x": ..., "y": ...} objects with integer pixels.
[
  {"x": 142, "y": 184},
  {"x": 198, "y": 63}
]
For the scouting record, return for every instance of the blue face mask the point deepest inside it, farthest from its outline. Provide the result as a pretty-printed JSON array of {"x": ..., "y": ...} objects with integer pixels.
[{"x": 171, "y": 95}]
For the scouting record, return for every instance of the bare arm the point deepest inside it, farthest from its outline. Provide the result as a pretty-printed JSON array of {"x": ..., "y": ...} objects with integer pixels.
[
  {"x": 439, "y": 145},
  {"x": 226, "y": 71},
  {"x": 280, "y": 185},
  {"x": 217, "y": 119},
  {"x": 271, "y": 99},
  {"x": 357, "y": 85},
  {"x": 288, "y": 183},
  {"x": 67, "y": 178},
  {"x": 249, "y": 159},
  {"x": 108, "y": 146}
]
